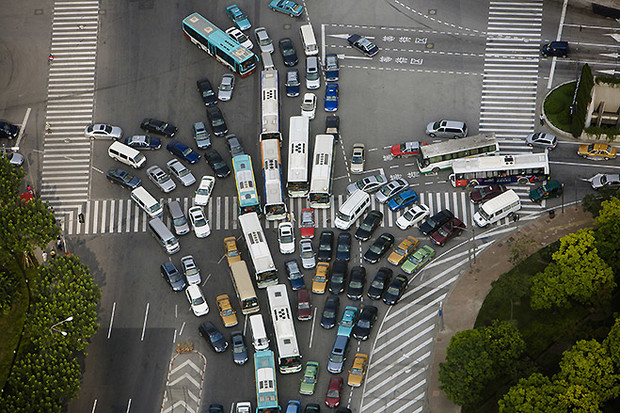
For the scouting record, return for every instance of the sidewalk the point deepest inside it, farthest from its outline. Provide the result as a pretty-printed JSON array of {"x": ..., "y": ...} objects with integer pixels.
[{"x": 461, "y": 307}]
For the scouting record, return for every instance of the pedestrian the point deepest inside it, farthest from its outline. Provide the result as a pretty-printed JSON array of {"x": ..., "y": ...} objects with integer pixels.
[
  {"x": 50, "y": 59},
  {"x": 28, "y": 188},
  {"x": 542, "y": 119}
]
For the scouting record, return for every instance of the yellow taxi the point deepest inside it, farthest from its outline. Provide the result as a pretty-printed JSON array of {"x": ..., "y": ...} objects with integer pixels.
[
  {"x": 319, "y": 282},
  {"x": 230, "y": 248},
  {"x": 357, "y": 372},
  {"x": 402, "y": 251},
  {"x": 227, "y": 313},
  {"x": 597, "y": 151}
]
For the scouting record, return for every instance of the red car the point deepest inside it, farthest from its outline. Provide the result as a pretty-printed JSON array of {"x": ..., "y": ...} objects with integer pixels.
[
  {"x": 449, "y": 230},
  {"x": 405, "y": 149},
  {"x": 486, "y": 192},
  {"x": 334, "y": 391},
  {"x": 304, "y": 308},
  {"x": 307, "y": 223}
]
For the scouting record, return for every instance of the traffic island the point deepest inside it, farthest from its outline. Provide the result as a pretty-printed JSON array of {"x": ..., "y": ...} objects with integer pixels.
[{"x": 185, "y": 380}]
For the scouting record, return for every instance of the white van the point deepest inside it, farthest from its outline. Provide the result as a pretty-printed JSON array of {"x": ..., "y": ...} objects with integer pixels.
[
  {"x": 163, "y": 235},
  {"x": 352, "y": 209},
  {"x": 127, "y": 155},
  {"x": 497, "y": 208},
  {"x": 147, "y": 202},
  {"x": 267, "y": 61},
  {"x": 259, "y": 334},
  {"x": 308, "y": 40}
]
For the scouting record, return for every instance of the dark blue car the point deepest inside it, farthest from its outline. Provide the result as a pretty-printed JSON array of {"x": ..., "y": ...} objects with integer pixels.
[
  {"x": 403, "y": 200},
  {"x": 292, "y": 83},
  {"x": 183, "y": 151},
  {"x": 343, "y": 247},
  {"x": 295, "y": 277}
]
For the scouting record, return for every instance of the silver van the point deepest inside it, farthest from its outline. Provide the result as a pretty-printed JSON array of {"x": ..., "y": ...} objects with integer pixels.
[
  {"x": 313, "y": 79},
  {"x": 179, "y": 221},
  {"x": 163, "y": 235},
  {"x": 352, "y": 209},
  {"x": 447, "y": 129},
  {"x": 338, "y": 355},
  {"x": 147, "y": 202},
  {"x": 127, "y": 155},
  {"x": 497, "y": 208}
]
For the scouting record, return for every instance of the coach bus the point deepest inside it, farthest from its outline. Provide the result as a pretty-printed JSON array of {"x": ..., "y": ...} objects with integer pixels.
[
  {"x": 266, "y": 386},
  {"x": 264, "y": 268},
  {"x": 270, "y": 109},
  {"x": 289, "y": 359},
  {"x": 244, "y": 288},
  {"x": 322, "y": 168},
  {"x": 440, "y": 155},
  {"x": 246, "y": 185},
  {"x": 297, "y": 179},
  {"x": 504, "y": 169},
  {"x": 275, "y": 205}
]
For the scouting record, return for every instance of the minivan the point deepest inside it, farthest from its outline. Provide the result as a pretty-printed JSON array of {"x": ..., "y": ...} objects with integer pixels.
[
  {"x": 447, "y": 129},
  {"x": 307, "y": 39},
  {"x": 338, "y": 355},
  {"x": 259, "y": 334},
  {"x": 497, "y": 208},
  {"x": 352, "y": 209},
  {"x": 127, "y": 155},
  {"x": 179, "y": 221},
  {"x": 557, "y": 48},
  {"x": 163, "y": 235},
  {"x": 147, "y": 202},
  {"x": 313, "y": 80}
]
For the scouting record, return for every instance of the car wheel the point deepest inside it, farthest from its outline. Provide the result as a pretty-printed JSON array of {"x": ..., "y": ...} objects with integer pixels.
[
  {"x": 436, "y": 170},
  {"x": 523, "y": 181},
  {"x": 432, "y": 135},
  {"x": 473, "y": 183}
]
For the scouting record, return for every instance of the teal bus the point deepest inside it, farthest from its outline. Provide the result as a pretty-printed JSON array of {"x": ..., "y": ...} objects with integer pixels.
[
  {"x": 266, "y": 388},
  {"x": 246, "y": 185},
  {"x": 218, "y": 44}
]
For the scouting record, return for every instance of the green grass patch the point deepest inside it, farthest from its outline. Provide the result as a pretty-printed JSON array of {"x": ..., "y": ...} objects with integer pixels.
[{"x": 557, "y": 106}]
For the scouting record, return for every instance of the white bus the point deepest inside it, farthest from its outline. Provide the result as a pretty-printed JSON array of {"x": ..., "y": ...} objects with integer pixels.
[
  {"x": 322, "y": 168},
  {"x": 270, "y": 109},
  {"x": 244, "y": 288},
  {"x": 289, "y": 358},
  {"x": 264, "y": 268},
  {"x": 275, "y": 207},
  {"x": 441, "y": 155},
  {"x": 297, "y": 182}
]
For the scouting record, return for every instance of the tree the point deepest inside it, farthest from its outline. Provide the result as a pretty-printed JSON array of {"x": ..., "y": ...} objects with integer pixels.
[
  {"x": 577, "y": 273},
  {"x": 607, "y": 233},
  {"x": 612, "y": 344},
  {"x": 505, "y": 344},
  {"x": 535, "y": 394},
  {"x": 512, "y": 286},
  {"x": 10, "y": 180}
]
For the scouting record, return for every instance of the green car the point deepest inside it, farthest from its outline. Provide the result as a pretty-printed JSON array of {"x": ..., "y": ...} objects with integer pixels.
[
  {"x": 310, "y": 377},
  {"x": 418, "y": 259}
]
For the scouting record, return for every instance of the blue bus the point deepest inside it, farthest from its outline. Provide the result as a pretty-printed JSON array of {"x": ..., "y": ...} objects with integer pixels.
[
  {"x": 246, "y": 185},
  {"x": 266, "y": 388},
  {"x": 218, "y": 44}
]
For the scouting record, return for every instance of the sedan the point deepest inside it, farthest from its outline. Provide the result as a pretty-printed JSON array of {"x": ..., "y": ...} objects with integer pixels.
[
  {"x": 216, "y": 408},
  {"x": 330, "y": 312},
  {"x": 286, "y": 238},
  {"x": 304, "y": 308},
  {"x": 358, "y": 157},
  {"x": 403, "y": 200},
  {"x": 172, "y": 276},
  {"x": 160, "y": 178},
  {"x": 308, "y": 105},
  {"x": 369, "y": 225},
  {"x": 405, "y": 149},
  {"x": 597, "y": 151},
  {"x": 332, "y": 95},
  {"x": 367, "y": 318},
  {"x": 190, "y": 270},
  {"x": 346, "y": 323},
  {"x": 412, "y": 216},
  {"x": 402, "y": 251},
  {"x": 485, "y": 193},
  {"x": 239, "y": 349},
  {"x": 240, "y": 37},
  {"x": 227, "y": 313},
  {"x": 368, "y": 184},
  {"x": 357, "y": 372},
  {"x": 207, "y": 92},
  {"x": 306, "y": 253},
  {"x": 102, "y": 130},
  {"x": 179, "y": 171},
  {"x": 234, "y": 145},
  {"x": 213, "y": 336},
  {"x": 379, "y": 283},
  {"x": 395, "y": 290},
  {"x": 263, "y": 40},
  {"x": 183, "y": 151},
  {"x": 292, "y": 83},
  {"x": 542, "y": 140},
  {"x": 319, "y": 281},
  {"x": 378, "y": 248},
  {"x": 433, "y": 223},
  {"x": 343, "y": 247},
  {"x": 217, "y": 163},
  {"x": 287, "y": 7},
  {"x": 294, "y": 275},
  {"x": 338, "y": 277},
  {"x": 216, "y": 119},
  {"x": 226, "y": 87},
  {"x": 142, "y": 142},
  {"x": 326, "y": 246},
  {"x": 363, "y": 45},
  {"x": 204, "y": 190},
  {"x": 159, "y": 127},
  {"x": 447, "y": 231},
  {"x": 288, "y": 52},
  {"x": 599, "y": 181},
  {"x": 309, "y": 379},
  {"x": 356, "y": 283},
  {"x": 199, "y": 222},
  {"x": 238, "y": 17},
  {"x": 231, "y": 251},
  {"x": 418, "y": 259},
  {"x": 332, "y": 126},
  {"x": 201, "y": 136},
  {"x": 307, "y": 223},
  {"x": 8, "y": 130},
  {"x": 123, "y": 178},
  {"x": 334, "y": 392},
  {"x": 196, "y": 300},
  {"x": 387, "y": 191}
]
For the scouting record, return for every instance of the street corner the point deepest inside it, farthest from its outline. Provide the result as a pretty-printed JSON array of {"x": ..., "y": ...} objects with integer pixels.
[{"x": 185, "y": 380}]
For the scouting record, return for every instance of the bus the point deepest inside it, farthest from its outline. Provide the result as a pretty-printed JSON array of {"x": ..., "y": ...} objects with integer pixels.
[
  {"x": 270, "y": 108},
  {"x": 218, "y": 44},
  {"x": 246, "y": 185},
  {"x": 275, "y": 207},
  {"x": 244, "y": 288},
  {"x": 266, "y": 386},
  {"x": 289, "y": 359},
  {"x": 297, "y": 179},
  {"x": 504, "y": 169},
  {"x": 440, "y": 155},
  {"x": 264, "y": 268},
  {"x": 322, "y": 167}
]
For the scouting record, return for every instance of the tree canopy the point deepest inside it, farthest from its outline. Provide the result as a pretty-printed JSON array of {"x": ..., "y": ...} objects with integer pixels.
[{"x": 607, "y": 233}]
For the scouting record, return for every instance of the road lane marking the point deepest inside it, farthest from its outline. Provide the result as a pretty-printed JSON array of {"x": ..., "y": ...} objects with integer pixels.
[
  {"x": 146, "y": 314},
  {"x": 312, "y": 329},
  {"x": 111, "y": 319}
]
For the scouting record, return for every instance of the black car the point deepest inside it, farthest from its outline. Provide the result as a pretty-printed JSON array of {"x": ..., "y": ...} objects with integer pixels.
[
  {"x": 435, "y": 222},
  {"x": 332, "y": 126},
  {"x": 343, "y": 246},
  {"x": 363, "y": 45},
  {"x": 378, "y": 248},
  {"x": 216, "y": 408},
  {"x": 367, "y": 317},
  {"x": 326, "y": 245},
  {"x": 379, "y": 283},
  {"x": 159, "y": 127},
  {"x": 213, "y": 336},
  {"x": 338, "y": 277},
  {"x": 356, "y": 283},
  {"x": 395, "y": 290},
  {"x": 123, "y": 178},
  {"x": 369, "y": 225},
  {"x": 209, "y": 97},
  {"x": 343, "y": 410},
  {"x": 8, "y": 130},
  {"x": 292, "y": 83},
  {"x": 216, "y": 119},
  {"x": 288, "y": 52},
  {"x": 234, "y": 145},
  {"x": 217, "y": 163},
  {"x": 239, "y": 350},
  {"x": 142, "y": 142},
  {"x": 172, "y": 276},
  {"x": 314, "y": 408},
  {"x": 330, "y": 312}
]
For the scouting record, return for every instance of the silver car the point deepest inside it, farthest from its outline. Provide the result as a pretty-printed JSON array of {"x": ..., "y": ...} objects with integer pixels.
[
  {"x": 599, "y": 181},
  {"x": 447, "y": 129},
  {"x": 225, "y": 90},
  {"x": 103, "y": 130},
  {"x": 390, "y": 189},
  {"x": 180, "y": 171},
  {"x": 542, "y": 140},
  {"x": 263, "y": 40},
  {"x": 15, "y": 159},
  {"x": 160, "y": 178},
  {"x": 368, "y": 184},
  {"x": 179, "y": 221},
  {"x": 190, "y": 270},
  {"x": 201, "y": 136},
  {"x": 306, "y": 253}
]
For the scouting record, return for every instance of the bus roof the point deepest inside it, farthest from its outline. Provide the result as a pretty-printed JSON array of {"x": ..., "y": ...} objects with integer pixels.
[
  {"x": 457, "y": 145},
  {"x": 500, "y": 162}
]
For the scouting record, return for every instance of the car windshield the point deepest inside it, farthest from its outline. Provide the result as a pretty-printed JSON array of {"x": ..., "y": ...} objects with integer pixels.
[
  {"x": 225, "y": 86},
  {"x": 306, "y": 253},
  {"x": 203, "y": 191},
  {"x": 356, "y": 371},
  {"x": 183, "y": 172},
  {"x": 377, "y": 283},
  {"x": 336, "y": 358},
  {"x": 357, "y": 158},
  {"x": 288, "y": 51},
  {"x": 217, "y": 122},
  {"x": 263, "y": 40},
  {"x": 363, "y": 323},
  {"x": 191, "y": 271},
  {"x": 286, "y": 238},
  {"x": 344, "y": 247},
  {"x": 155, "y": 207},
  {"x": 331, "y": 98},
  {"x": 198, "y": 300},
  {"x": 387, "y": 190},
  {"x": 238, "y": 349},
  {"x": 397, "y": 199},
  {"x": 392, "y": 290},
  {"x": 332, "y": 393},
  {"x": 367, "y": 225},
  {"x": 304, "y": 305},
  {"x": 309, "y": 379},
  {"x": 443, "y": 232},
  {"x": 329, "y": 313},
  {"x": 399, "y": 251},
  {"x": 376, "y": 248},
  {"x": 356, "y": 284},
  {"x": 125, "y": 177},
  {"x": 313, "y": 75},
  {"x": 200, "y": 222},
  {"x": 163, "y": 178},
  {"x": 227, "y": 312}
]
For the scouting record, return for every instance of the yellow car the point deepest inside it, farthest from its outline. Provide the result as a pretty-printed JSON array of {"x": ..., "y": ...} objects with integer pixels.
[
  {"x": 319, "y": 282},
  {"x": 356, "y": 374},
  {"x": 230, "y": 247},
  {"x": 402, "y": 251},
  {"x": 226, "y": 311},
  {"x": 597, "y": 151}
]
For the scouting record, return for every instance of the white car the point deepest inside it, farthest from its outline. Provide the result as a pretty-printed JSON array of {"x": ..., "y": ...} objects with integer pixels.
[
  {"x": 203, "y": 193},
  {"x": 286, "y": 238},
  {"x": 226, "y": 87},
  {"x": 190, "y": 270},
  {"x": 306, "y": 253},
  {"x": 102, "y": 130},
  {"x": 240, "y": 37},
  {"x": 197, "y": 300},
  {"x": 199, "y": 222},
  {"x": 179, "y": 171},
  {"x": 263, "y": 40},
  {"x": 358, "y": 157},
  {"x": 160, "y": 178},
  {"x": 412, "y": 216},
  {"x": 308, "y": 106},
  {"x": 243, "y": 407}
]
